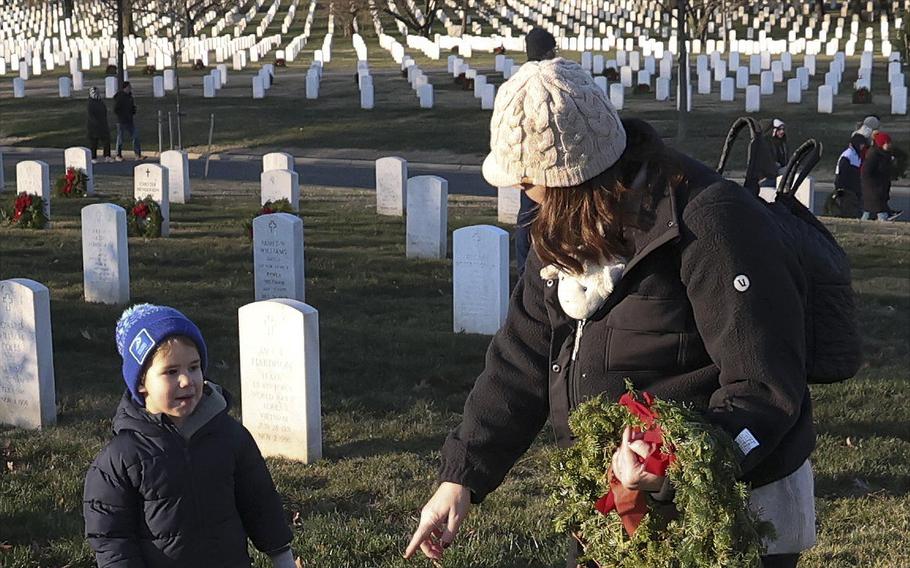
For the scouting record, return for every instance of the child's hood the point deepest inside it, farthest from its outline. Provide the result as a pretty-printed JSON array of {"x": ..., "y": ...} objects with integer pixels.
[{"x": 130, "y": 416}]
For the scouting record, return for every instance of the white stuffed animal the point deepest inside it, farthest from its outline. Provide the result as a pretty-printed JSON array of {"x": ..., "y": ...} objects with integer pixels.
[{"x": 581, "y": 295}]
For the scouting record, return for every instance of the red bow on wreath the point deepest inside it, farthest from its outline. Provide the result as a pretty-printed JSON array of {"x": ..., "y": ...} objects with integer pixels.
[
  {"x": 23, "y": 202},
  {"x": 141, "y": 210},
  {"x": 631, "y": 504}
]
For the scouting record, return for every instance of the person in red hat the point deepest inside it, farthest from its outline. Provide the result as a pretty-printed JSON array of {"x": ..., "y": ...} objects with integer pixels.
[{"x": 876, "y": 180}]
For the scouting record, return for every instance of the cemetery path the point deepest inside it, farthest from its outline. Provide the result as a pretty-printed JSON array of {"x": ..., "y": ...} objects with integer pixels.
[{"x": 340, "y": 173}]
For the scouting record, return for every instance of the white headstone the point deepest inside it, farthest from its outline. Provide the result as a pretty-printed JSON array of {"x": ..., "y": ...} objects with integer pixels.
[
  {"x": 742, "y": 77},
  {"x": 391, "y": 185},
  {"x": 77, "y": 81},
  {"x": 488, "y": 96},
  {"x": 427, "y": 219},
  {"x": 480, "y": 279},
  {"x": 663, "y": 89},
  {"x": 825, "y": 99},
  {"x": 312, "y": 86},
  {"x": 259, "y": 90},
  {"x": 157, "y": 87},
  {"x": 33, "y": 177},
  {"x": 110, "y": 87},
  {"x": 208, "y": 86},
  {"x": 899, "y": 100},
  {"x": 278, "y": 257},
  {"x": 169, "y": 82},
  {"x": 617, "y": 95},
  {"x": 366, "y": 95},
  {"x": 277, "y": 161},
  {"x": 727, "y": 89},
  {"x": 151, "y": 180},
  {"x": 18, "y": 88},
  {"x": 81, "y": 159},
  {"x": 508, "y": 204},
  {"x": 794, "y": 91},
  {"x": 425, "y": 94},
  {"x": 753, "y": 98},
  {"x": 767, "y": 83},
  {"x": 27, "y": 397},
  {"x": 178, "y": 175},
  {"x": 65, "y": 87},
  {"x": 280, "y": 378},
  {"x": 280, "y": 184},
  {"x": 105, "y": 260}
]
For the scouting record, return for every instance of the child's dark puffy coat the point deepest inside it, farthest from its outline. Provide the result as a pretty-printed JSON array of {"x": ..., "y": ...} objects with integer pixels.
[{"x": 152, "y": 498}]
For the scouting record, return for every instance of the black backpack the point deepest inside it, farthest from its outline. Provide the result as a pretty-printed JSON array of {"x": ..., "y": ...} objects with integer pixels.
[{"x": 833, "y": 346}]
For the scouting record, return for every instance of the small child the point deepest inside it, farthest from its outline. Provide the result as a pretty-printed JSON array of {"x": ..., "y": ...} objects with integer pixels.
[{"x": 182, "y": 483}]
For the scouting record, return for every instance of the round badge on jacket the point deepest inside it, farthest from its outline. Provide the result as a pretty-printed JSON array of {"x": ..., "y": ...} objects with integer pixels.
[{"x": 741, "y": 283}]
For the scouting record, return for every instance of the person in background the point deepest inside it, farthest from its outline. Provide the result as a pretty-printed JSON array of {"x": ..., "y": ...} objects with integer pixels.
[
  {"x": 125, "y": 109},
  {"x": 869, "y": 127},
  {"x": 847, "y": 194},
  {"x": 97, "y": 128},
  {"x": 539, "y": 46},
  {"x": 875, "y": 176},
  {"x": 775, "y": 134}
]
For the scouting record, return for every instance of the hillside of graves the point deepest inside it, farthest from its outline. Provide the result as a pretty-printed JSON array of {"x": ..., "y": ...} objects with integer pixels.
[
  {"x": 292, "y": 76},
  {"x": 394, "y": 376}
]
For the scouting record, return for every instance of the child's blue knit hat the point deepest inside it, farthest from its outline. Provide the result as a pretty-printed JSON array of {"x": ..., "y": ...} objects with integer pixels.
[{"x": 141, "y": 329}]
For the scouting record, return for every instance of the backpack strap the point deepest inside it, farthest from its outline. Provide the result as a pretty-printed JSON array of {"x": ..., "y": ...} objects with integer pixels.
[
  {"x": 801, "y": 163},
  {"x": 741, "y": 123}
]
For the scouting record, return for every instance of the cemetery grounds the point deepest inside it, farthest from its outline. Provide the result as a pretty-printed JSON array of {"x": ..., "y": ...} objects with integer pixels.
[
  {"x": 394, "y": 376},
  {"x": 394, "y": 379}
]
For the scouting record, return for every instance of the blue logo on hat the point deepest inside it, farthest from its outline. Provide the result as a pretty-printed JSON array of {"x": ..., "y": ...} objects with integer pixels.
[{"x": 141, "y": 345}]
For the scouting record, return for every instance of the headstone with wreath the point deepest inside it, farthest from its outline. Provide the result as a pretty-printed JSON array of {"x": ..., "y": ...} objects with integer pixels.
[
  {"x": 32, "y": 208},
  {"x": 278, "y": 265},
  {"x": 79, "y": 159},
  {"x": 151, "y": 208}
]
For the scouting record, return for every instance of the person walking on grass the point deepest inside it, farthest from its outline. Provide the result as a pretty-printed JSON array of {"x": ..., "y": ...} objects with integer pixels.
[
  {"x": 97, "y": 127},
  {"x": 875, "y": 174},
  {"x": 692, "y": 297},
  {"x": 847, "y": 196},
  {"x": 182, "y": 483},
  {"x": 125, "y": 110}
]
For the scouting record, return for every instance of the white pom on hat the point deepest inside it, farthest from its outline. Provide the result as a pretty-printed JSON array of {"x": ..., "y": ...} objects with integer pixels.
[{"x": 553, "y": 126}]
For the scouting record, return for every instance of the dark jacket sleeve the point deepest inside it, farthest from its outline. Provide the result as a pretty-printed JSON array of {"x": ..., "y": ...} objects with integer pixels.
[
  {"x": 257, "y": 499},
  {"x": 110, "y": 506},
  {"x": 509, "y": 402},
  {"x": 755, "y": 336}
]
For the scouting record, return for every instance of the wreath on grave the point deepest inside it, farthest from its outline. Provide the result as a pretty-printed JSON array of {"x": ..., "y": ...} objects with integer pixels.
[
  {"x": 198, "y": 65},
  {"x": 499, "y": 50},
  {"x": 708, "y": 524},
  {"x": 277, "y": 206},
  {"x": 27, "y": 213},
  {"x": 143, "y": 218},
  {"x": 74, "y": 183},
  {"x": 279, "y": 62},
  {"x": 149, "y": 70},
  {"x": 862, "y": 96},
  {"x": 642, "y": 89},
  {"x": 110, "y": 70},
  {"x": 611, "y": 74}
]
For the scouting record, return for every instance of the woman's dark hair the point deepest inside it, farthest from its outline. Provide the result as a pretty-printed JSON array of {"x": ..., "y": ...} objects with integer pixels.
[{"x": 584, "y": 223}]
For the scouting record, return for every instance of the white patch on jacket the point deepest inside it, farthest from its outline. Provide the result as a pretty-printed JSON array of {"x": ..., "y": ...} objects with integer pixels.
[{"x": 580, "y": 295}]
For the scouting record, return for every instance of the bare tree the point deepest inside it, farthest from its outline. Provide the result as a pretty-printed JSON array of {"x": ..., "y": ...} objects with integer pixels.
[
  {"x": 346, "y": 13},
  {"x": 421, "y": 21}
]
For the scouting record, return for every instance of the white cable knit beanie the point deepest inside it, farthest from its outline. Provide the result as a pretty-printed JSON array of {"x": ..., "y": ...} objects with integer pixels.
[{"x": 552, "y": 125}]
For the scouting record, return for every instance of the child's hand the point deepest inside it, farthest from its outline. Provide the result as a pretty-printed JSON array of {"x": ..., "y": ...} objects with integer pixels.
[{"x": 628, "y": 464}]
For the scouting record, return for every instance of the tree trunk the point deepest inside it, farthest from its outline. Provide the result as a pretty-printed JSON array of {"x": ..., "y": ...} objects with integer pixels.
[
  {"x": 120, "y": 59},
  {"x": 683, "y": 71}
]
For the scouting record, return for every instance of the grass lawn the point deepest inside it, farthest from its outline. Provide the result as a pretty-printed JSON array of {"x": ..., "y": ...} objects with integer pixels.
[{"x": 394, "y": 379}]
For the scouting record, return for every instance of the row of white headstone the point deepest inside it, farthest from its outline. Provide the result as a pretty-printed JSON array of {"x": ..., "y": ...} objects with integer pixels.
[{"x": 279, "y": 365}]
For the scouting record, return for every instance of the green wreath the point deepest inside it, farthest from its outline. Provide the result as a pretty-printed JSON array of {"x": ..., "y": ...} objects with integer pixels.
[
  {"x": 28, "y": 212},
  {"x": 144, "y": 218},
  {"x": 74, "y": 183},
  {"x": 710, "y": 525},
  {"x": 277, "y": 206}
]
